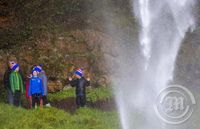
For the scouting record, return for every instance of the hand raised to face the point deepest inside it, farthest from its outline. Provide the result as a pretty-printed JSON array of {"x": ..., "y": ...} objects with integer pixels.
[{"x": 70, "y": 78}]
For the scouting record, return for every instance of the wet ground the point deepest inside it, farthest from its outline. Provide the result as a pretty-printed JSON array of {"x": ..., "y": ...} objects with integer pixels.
[{"x": 69, "y": 105}]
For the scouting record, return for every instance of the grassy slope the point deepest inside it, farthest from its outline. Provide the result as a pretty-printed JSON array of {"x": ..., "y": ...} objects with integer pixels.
[
  {"x": 93, "y": 94},
  {"x": 51, "y": 118}
]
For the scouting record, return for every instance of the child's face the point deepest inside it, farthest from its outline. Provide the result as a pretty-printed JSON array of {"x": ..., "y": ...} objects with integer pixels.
[
  {"x": 11, "y": 63},
  {"x": 17, "y": 69},
  {"x": 77, "y": 76},
  {"x": 35, "y": 73}
]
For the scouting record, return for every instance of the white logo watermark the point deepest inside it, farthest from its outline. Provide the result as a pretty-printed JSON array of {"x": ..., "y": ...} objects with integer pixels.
[{"x": 174, "y": 104}]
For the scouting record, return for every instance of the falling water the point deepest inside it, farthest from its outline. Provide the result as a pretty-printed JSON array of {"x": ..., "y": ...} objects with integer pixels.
[{"x": 139, "y": 78}]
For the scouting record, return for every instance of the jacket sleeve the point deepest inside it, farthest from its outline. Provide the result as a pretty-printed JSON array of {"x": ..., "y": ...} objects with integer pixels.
[
  {"x": 22, "y": 75},
  {"x": 44, "y": 85},
  {"x": 87, "y": 83},
  {"x": 22, "y": 88},
  {"x": 23, "y": 80},
  {"x": 11, "y": 79},
  {"x": 29, "y": 90},
  {"x": 73, "y": 83},
  {"x": 41, "y": 87},
  {"x": 6, "y": 79}
]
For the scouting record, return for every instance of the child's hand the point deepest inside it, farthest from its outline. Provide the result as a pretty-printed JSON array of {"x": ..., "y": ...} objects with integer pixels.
[
  {"x": 29, "y": 76},
  {"x": 70, "y": 78},
  {"x": 88, "y": 79}
]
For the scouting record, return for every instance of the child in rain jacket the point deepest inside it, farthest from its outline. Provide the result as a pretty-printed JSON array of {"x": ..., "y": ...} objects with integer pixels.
[{"x": 36, "y": 90}]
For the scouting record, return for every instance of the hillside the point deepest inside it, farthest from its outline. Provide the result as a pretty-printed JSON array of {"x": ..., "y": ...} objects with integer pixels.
[{"x": 66, "y": 34}]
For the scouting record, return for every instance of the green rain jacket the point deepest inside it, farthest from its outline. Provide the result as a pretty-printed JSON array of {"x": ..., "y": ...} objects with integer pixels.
[{"x": 16, "y": 82}]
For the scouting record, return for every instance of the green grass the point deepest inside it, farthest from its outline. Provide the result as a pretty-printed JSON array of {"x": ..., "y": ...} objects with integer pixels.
[
  {"x": 61, "y": 95},
  {"x": 101, "y": 93},
  {"x": 52, "y": 118},
  {"x": 93, "y": 94}
]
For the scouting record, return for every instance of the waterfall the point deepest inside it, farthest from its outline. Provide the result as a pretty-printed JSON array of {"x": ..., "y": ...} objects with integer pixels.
[{"x": 137, "y": 79}]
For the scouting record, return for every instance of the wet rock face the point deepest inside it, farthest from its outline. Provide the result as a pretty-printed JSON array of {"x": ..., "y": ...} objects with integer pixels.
[
  {"x": 54, "y": 86},
  {"x": 87, "y": 49},
  {"x": 187, "y": 66},
  {"x": 187, "y": 71},
  {"x": 62, "y": 55},
  {"x": 5, "y": 15}
]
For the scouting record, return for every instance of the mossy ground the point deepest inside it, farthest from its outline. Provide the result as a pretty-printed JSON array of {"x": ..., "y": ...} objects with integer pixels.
[
  {"x": 97, "y": 98},
  {"x": 53, "y": 118}
]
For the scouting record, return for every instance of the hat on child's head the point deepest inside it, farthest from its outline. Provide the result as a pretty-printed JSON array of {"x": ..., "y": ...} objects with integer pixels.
[
  {"x": 15, "y": 66},
  {"x": 41, "y": 65},
  {"x": 12, "y": 58},
  {"x": 37, "y": 68},
  {"x": 79, "y": 72},
  {"x": 34, "y": 70},
  {"x": 12, "y": 62}
]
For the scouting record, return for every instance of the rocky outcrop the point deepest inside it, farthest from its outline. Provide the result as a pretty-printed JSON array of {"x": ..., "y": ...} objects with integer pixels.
[
  {"x": 62, "y": 43},
  {"x": 62, "y": 55}
]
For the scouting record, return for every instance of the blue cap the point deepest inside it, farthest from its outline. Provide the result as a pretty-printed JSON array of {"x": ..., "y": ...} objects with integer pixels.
[
  {"x": 37, "y": 69},
  {"x": 15, "y": 66},
  {"x": 79, "y": 72}
]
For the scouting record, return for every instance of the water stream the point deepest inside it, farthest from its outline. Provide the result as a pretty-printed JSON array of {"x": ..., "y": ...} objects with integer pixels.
[{"x": 138, "y": 78}]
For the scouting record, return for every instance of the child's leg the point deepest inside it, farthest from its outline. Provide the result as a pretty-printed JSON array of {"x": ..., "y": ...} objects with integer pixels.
[
  {"x": 38, "y": 99},
  {"x": 44, "y": 98},
  {"x": 33, "y": 100},
  {"x": 83, "y": 100},
  {"x": 10, "y": 97},
  {"x": 30, "y": 101},
  {"x": 78, "y": 101},
  {"x": 41, "y": 102},
  {"x": 45, "y": 101},
  {"x": 17, "y": 98}
]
